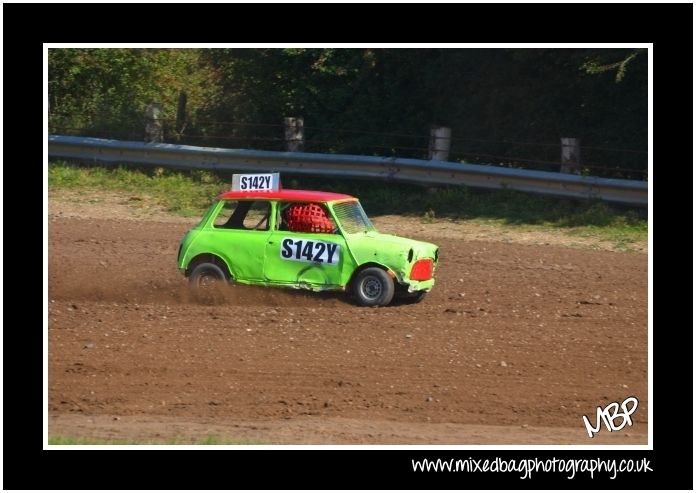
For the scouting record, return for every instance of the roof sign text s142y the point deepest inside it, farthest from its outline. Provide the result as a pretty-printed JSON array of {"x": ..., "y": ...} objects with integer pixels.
[{"x": 257, "y": 182}]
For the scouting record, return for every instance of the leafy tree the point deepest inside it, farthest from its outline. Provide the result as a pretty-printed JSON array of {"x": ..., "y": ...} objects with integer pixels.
[
  {"x": 595, "y": 66},
  {"x": 105, "y": 91},
  {"x": 504, "y": 106}
]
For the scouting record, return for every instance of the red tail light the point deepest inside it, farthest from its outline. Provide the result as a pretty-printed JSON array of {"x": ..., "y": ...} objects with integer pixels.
[{"x": 422, "y": 270}]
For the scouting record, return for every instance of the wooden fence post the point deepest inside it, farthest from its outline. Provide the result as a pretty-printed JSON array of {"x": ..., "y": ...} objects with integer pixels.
[
  {"x": 440, "y": 143},
  {"x": 294, "y": 133},
  {"x": 153, "y": 124},
  {"x": 181, "y": 113},
  {"x": 570, "y": 155}
]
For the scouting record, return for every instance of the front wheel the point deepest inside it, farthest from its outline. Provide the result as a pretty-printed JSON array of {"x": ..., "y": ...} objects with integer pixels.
[{"x": 373, "y": 287}]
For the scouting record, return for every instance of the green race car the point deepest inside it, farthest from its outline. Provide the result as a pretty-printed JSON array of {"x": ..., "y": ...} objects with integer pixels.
[{"x": 260, "y": 234}]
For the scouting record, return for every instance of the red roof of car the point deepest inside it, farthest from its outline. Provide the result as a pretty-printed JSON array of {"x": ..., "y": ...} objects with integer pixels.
[{"x": 289, "y": 195}]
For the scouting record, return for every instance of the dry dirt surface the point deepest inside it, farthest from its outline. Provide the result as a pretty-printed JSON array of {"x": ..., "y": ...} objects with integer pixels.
[{"x": 513, "y": 346}]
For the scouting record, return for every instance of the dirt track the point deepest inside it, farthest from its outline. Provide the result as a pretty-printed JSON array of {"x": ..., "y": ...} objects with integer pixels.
[{"x": 514, "y": 345}]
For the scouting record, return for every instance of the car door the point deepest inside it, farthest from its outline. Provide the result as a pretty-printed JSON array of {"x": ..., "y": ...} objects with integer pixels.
[
  {"x": 240, "y": 232},
  {"x": 307, "y": 259}
]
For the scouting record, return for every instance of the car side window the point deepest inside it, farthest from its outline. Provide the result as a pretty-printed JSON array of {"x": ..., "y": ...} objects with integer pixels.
[
  {"x": 244, "y": 214},
  {"x": 305, "y": 218}
]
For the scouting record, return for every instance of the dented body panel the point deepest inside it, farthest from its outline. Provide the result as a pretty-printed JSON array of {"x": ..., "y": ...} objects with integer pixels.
[{"x": 392, "y": 253}]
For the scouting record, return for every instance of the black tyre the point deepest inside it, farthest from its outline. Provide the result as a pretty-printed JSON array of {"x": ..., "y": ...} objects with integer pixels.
[
  {"x": 207, "y": 281},
  {"x": 373, "y": 287}
]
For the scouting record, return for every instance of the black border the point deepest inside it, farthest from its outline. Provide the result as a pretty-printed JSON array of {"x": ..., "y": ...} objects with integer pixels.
[{"x": 668, "y": 26}]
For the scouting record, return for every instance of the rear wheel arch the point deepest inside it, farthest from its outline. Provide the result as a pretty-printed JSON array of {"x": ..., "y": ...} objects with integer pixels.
[{"x": 209, "y": 258}]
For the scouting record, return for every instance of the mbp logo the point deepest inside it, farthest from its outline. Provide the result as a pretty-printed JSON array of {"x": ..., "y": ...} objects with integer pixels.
[{"x": 609, "y": 414}]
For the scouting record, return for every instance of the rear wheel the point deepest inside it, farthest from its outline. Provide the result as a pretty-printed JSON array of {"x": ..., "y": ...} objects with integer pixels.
[
  {"x": 373, "y": 287},
  {"x": 207, "y": 280}
]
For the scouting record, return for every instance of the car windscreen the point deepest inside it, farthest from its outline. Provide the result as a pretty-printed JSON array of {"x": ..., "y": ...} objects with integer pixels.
[{"x": 352, "y": 217}]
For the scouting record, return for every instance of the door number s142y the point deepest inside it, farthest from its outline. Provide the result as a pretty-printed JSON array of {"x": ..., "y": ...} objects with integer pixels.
[{"x": 303, "y": 250}]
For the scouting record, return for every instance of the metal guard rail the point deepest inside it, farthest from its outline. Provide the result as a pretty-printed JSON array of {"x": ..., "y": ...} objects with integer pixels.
[{"x": 632, "y": 192}]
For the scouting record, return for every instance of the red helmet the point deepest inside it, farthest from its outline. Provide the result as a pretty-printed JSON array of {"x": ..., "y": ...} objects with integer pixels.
[{"x": 307, "y": 218}]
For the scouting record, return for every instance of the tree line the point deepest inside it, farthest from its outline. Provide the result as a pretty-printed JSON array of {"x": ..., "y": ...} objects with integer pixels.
[{"x": 504, "y": 106}]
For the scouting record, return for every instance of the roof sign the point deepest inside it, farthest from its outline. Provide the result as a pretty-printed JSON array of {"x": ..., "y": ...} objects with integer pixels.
[{"x": 258, "y": 182}]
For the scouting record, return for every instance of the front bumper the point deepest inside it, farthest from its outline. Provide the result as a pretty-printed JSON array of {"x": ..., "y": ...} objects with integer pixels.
[{"x": 413, "y": 286}]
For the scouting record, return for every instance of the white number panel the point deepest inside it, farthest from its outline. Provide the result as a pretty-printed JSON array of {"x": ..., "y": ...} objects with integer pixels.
[{"x": 304, "y": 250}]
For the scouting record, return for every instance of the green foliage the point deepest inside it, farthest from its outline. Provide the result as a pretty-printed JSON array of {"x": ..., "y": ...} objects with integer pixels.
[
  {"x": 349, "y": 97},
  {"x": 191, "y": 193},
  {"x": 595, "y": 66},
  {"x": 187, "y": 194},
  {"x": 98, "y": 91}
]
